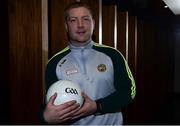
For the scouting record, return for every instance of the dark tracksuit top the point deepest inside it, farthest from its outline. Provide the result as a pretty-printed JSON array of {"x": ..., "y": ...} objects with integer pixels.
[{"x": 102, "y": 73}]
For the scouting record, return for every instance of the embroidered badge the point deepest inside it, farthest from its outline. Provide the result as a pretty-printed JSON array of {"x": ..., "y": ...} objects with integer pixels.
[
  {"x": 101, "y": 67},
  {"x": 71, "y": 71}
]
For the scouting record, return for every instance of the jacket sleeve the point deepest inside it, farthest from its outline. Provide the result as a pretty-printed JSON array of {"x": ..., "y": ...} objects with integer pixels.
[
  {"x": 50, "y": 74},
  {"x": 124, "y": 84}
]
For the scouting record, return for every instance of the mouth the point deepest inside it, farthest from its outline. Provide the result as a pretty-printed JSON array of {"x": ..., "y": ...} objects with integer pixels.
[{"x": 81, "y": 33}]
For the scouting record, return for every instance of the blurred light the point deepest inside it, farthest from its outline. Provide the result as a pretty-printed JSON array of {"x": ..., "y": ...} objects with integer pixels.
[
  {"x": 166, "y": 6},
  {"x": 174, "y": 5}
]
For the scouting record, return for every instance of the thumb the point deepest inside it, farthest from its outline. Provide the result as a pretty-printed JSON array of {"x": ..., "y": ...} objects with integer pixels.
[
  {"x": 52, "y": 99},
  {"x": 84, "y": 95}
]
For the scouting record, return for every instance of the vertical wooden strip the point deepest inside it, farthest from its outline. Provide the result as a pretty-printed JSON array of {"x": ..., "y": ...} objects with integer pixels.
[
  {"x": 44, "y": 40},
  {"x": 121, "y": 32},
  {"x": 131, "y": 43},
  {"x": 127, "y": 34},
  {"x": 136, "y": 49},
  {"x": 100, "y": 21},
  {"x": 132, "y": 59},
  {"x": 115, "y": 27}
]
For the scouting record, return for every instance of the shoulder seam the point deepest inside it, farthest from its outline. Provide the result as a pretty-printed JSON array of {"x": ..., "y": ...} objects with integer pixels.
[
  {"x": 62, "y": 51},
  {"x": 106, "y": 46}
]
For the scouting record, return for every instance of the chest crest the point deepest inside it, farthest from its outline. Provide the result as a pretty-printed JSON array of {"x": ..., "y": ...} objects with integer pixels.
[{"x": 101, "y": 67}]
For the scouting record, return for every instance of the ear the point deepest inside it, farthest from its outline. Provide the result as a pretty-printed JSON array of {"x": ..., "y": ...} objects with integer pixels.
[{"x": 66, "y": 27}]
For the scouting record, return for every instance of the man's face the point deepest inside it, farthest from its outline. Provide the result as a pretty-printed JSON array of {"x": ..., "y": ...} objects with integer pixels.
[{"x": 80, "y": 24}]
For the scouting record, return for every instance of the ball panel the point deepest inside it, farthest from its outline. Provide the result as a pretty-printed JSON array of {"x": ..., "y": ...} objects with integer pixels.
[{"x": 66, "y": 91}]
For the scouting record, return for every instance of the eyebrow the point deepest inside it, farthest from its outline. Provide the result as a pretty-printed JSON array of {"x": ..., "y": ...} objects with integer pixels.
[{"x": 81, "y": 17}]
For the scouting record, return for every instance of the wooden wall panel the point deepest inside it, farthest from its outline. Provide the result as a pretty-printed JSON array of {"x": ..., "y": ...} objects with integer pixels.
[
  {"x": 108, "y": 25},
  {"x": 57, "y": 33},
  {"x": 154, "y": 87},
  {"x": 25, "y": 57},
  {"x": 145, "y": 74}
]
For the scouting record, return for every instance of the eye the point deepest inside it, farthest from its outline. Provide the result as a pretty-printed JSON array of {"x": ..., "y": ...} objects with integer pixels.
[
  {"x": 72, "y": 20},
  {"x": 86, "y": 18}
]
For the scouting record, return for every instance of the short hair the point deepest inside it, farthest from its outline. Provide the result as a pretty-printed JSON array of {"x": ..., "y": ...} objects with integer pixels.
[{"x": 76, "y": 5}]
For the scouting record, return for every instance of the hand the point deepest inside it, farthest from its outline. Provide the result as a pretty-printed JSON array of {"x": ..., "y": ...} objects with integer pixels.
[
  {"x": 59, "y": 113},
  {"x": 89, "y": 107}
]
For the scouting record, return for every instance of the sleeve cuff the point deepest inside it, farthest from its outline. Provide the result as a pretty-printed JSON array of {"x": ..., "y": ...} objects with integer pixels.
[{"x": 99, "y": 108}]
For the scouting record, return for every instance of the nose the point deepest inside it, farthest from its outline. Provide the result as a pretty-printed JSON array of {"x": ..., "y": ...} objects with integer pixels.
[{"x": 80, "y": 23}]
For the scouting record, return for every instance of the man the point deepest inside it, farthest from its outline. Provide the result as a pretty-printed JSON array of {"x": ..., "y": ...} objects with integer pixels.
[{"x": 101, "y": 72}]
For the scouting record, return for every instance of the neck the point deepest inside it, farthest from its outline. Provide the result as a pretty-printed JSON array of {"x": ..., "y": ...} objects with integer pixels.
[{"x": 78, "y": 44}]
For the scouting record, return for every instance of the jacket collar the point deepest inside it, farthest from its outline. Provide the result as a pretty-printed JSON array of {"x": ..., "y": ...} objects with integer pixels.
[{"x": 86, "y": 45}]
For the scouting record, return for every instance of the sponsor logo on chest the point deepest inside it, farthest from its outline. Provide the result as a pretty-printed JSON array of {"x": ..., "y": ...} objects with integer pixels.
[{"x": 71, "y": 71}]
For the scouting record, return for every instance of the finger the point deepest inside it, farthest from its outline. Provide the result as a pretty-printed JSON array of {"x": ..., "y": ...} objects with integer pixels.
[
  {"x": 52, "y": 98},
  {"x": 63, "y": 120},
  {"x": 70, "y": 108},
  {"x": 68, "y": 112},
  {"x": 77, "y": 116},
  {"x": 66, "y": 105},
  {"x": 78, "y": 112}
]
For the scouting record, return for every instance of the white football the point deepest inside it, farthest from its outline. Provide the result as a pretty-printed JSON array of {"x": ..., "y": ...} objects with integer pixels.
[{"x": 66, "y": 91}]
